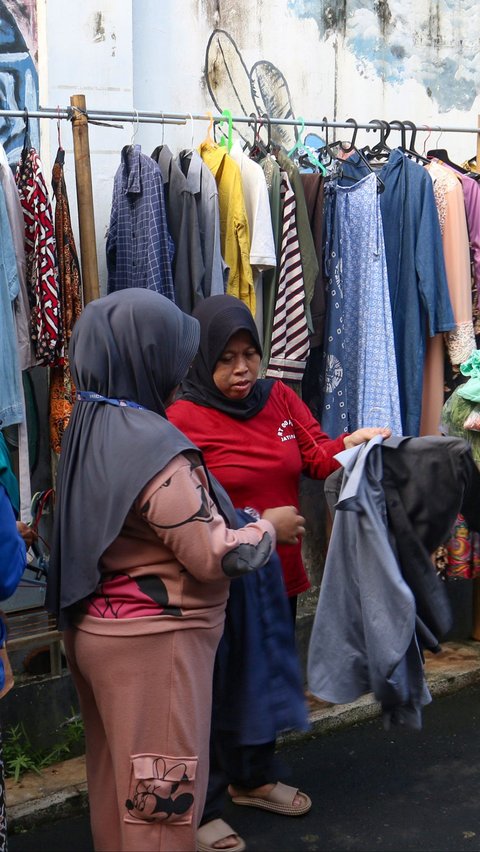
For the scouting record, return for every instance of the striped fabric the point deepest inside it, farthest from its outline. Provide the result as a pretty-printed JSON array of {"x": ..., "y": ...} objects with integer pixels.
[{"x": 290, "y": 342}]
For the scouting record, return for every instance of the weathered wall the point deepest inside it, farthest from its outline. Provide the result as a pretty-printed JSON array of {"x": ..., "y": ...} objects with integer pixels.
[{"x": 415, "y": 59}]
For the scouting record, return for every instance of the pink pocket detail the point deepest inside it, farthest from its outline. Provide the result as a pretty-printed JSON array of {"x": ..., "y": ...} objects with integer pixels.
[{"x": 161, "y": 788}]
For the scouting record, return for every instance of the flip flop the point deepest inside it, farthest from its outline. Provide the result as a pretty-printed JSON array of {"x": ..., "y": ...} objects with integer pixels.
[
  {"x": 279, "y": 800},
  {"x": 213, "y": 831}
]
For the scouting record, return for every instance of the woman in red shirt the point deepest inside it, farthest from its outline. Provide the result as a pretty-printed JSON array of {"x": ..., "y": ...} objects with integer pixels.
[{"x": 257, "y": 438}]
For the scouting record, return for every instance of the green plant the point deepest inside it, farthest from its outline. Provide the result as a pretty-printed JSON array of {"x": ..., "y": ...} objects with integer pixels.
[{"x": 20, "y": 756}]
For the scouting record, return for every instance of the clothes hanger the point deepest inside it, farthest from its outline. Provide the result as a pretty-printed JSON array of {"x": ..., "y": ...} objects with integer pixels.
[
  {"x": 209, "y": 140},
  {"x": 192, "y": 124},
  {"x": 400, "y": 125},
  {"x": 251, "y": 145},
  {"x": 136, "y": 125},
  {"x": 228, "y": 141},
  {"x": 411, "y": 151},
  {"x": 348, "y": 147},
  {"x": 27, "y": 144},
  {"x": 308, "y": 156},
  {"x": 362, "y": 157},
  {"x": 60, "y": 157},
  {"x": 442, "y": 154},
  {"x": 266, "y": 119},
  {"x": 380, "y": 150},
  {"x": 376, "y": 124},
  {"x": 326, "y": 153},
  {"x": 304, "y": 150},
  {"x": 299, "y": 140}
]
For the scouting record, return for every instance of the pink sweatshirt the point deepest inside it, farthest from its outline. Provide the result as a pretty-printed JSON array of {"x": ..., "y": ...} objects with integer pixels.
[{"x": 174, "y": 555}]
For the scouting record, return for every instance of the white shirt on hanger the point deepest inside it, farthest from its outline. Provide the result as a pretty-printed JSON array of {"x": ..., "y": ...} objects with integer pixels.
[{"x": 262, "y": 243}]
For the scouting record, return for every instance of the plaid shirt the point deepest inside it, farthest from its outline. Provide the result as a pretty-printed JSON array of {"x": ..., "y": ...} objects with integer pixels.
[{"x": 139, "y": 247}]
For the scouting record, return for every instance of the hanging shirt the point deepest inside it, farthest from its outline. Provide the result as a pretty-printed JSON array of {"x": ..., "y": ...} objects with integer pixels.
[
  {"x": 41, "y": 259},
  {"x": 289, "y": 342},
  {"x": 305, "y": 237},
  {"x": 11, "y": 392},
  {"x": 26, "y": 352},
  {"x": 234, "y": 231},
  {"x": 334, "y": 396},
  {"x": 450, "y": 202},
  {"x": 471, "y": 193},
  {"x": 61, "y": 387},
  {"x": 313, "y": 186},
  {"x": 202, "y": 185},
  {"x": 139, "y": 247},
  {"x": 262, "y": 245},
  {"x": 416, "y": 271},
  {"x": 363, "y": 635},
  {"x": 271, "y": 170},
  {"x": 460, "y": 342},
  {"x": 370, "y": 365},
  {"x": 182, "y": 219}
]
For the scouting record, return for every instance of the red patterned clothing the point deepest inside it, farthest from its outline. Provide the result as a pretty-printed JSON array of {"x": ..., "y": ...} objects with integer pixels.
[
  {"x": 41, "y": 260},
  {"x": 62, "y": 388},
  {"x": 463, "y": 552}
]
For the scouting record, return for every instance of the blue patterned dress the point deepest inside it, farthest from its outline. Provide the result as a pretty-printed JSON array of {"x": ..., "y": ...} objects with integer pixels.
[
  {"x": 334, "y": 405},
  {"x": 369, "y": 353}
]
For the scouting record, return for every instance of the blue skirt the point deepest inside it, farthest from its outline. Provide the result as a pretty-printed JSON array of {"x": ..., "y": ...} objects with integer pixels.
[{"x": 258, "y": 688}]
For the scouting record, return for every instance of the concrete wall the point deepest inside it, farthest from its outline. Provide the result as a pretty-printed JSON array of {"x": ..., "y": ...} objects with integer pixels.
[{"x": 414, "y": 59}]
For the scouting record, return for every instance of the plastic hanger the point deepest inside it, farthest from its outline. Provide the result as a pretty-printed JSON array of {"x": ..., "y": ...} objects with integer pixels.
[
  {"x": 400, "y": 125},
  {"x": 192, "y": 124},
  {"x": 348, "y": 147},
  {"x": 209, "y": 140},
  {"x": 308, "y": 152},
  {"x": 266, "y": 120},
  {"x": 299, "y": 142},
  {"x": 228, "y": 142},
  {"x": 380, "y": 150},
  {"x": 27, "y": 144},
  {"x": 60, "y": 157},
  {"x": 411, "y": 151}
]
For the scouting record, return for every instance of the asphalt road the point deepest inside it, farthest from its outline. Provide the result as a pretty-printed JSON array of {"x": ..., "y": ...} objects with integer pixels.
[{"x": 390, "y": 791}]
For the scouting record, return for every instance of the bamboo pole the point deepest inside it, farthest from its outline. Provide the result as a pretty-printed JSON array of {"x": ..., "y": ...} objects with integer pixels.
[{"x": 86, "y": 219}]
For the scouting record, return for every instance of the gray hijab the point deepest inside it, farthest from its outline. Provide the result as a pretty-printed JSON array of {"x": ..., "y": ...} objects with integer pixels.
[{"x": 133, "y": 345}]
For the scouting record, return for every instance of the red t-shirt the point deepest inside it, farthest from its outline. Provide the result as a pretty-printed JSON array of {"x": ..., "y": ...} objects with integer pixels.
[{"x": 259, "y": 461}]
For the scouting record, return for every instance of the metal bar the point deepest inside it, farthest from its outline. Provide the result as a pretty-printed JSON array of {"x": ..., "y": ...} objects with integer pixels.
[{"x": 173, "y": 118}]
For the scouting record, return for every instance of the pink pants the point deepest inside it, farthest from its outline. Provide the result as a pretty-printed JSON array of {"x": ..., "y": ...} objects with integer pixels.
[{"x": 146, "y": 705}]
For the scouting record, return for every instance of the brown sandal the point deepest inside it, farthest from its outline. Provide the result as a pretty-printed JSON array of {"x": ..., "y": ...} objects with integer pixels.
[
  {"x": 279, "y": 800},
  {"x": 214, "y": 831}
]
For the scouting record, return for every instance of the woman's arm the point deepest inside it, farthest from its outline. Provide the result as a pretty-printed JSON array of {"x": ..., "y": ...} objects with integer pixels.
[
  {"x": 178, "y": 506},
  {"x": 12, "y": 549},
  {"x": 316, "y": 447}
]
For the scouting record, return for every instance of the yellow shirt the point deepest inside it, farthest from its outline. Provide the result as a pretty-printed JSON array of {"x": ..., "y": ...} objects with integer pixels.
[{"x": 234, "y": 233}]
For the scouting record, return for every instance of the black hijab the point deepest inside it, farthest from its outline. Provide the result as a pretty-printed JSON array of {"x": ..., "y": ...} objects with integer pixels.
[
  {"x": 133, "y": 345},
  {"x": 220, "y": 317}
]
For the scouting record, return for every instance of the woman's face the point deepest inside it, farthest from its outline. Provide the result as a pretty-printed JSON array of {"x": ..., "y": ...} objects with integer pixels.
[{"x": 236, "y": 371}]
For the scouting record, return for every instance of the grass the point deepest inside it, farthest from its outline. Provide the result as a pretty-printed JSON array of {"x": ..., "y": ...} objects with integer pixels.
[{"x": 20, "y": 755}]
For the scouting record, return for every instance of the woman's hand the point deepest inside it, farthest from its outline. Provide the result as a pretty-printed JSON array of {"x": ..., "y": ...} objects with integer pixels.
[
  {"x": 289, "y": 525},
  {"x": 365, "y": 434},
  {"x": 28, "y": 534}
]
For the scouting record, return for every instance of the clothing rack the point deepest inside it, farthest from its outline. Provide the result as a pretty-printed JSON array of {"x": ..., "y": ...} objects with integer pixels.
[{"x": 80, "y": 118}]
